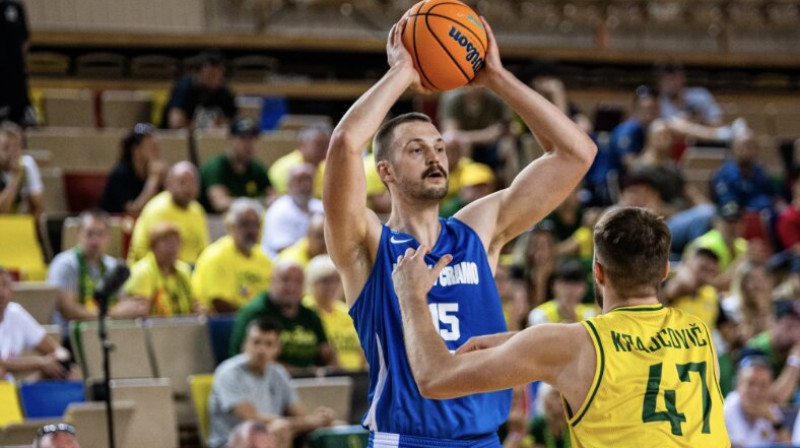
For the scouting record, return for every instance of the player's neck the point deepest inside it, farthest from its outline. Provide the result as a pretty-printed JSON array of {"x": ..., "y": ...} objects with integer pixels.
[
  {"x": 611, "y": 305},
  {"x": 419, "y": 220}
]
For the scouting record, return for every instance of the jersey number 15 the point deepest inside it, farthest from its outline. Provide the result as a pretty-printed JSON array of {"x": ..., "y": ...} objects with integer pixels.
[{"x": 445, "y": 314}]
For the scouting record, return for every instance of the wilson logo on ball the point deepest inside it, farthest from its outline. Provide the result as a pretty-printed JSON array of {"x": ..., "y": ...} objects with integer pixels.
[{"x": 473, "y": 54}]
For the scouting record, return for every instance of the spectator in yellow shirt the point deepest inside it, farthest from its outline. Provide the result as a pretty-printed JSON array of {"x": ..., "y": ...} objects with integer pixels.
[
  {"x": 309, "y": 246},
  {"x": 691, "y": 288},
  {"x": 324, "y": 295},
  {"x": 232, "y": 270},
  {"x": 160, "y": 278},
  {"x": 177, "y": 205},
  {"x": 313, "y": 148}
]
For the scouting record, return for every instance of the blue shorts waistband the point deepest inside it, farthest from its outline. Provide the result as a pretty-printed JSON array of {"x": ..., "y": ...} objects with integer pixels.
[{"x": 389, "y": 440}]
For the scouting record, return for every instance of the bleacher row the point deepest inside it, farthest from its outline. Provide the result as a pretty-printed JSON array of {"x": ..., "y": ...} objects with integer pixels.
[{"x": 163, "y": 365}]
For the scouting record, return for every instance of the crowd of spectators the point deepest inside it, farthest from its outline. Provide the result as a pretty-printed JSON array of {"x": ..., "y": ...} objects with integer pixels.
[{"x": 735, "y": 253}]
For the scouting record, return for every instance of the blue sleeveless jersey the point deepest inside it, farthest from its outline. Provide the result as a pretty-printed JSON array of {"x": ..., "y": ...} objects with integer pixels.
[{"x": 464, "y": 302}]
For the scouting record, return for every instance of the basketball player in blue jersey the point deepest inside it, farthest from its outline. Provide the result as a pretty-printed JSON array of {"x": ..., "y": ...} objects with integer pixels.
[{"x": 411, "y": 161}]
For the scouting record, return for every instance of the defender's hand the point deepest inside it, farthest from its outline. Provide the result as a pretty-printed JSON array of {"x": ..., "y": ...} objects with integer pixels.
[{"x": 412, "y": 278}]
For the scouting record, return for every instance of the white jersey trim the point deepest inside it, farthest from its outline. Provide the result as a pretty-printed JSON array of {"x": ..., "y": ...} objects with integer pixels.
[{"x": 370, "y": 421}]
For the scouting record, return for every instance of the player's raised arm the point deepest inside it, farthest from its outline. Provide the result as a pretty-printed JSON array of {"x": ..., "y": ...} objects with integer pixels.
[
  {"x": 543, "y": 184},
  {"x": 347, "y": 219},
  {"x": 555, "y": 353}
]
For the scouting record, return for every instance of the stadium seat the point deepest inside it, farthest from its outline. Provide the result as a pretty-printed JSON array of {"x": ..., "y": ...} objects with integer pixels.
[
  {"x": 38, "y": 298},
  {"x": 10, "y": 411},
  {"x": 334, "y": 392},
  {"x": 153, "y": 421},
  {"x": 78, "y": 148},
  {"x": 180, "y": 347},
  {"x": 89, "y": 420},
  {"x": 55, "y": 200},
  {"x": 174, "y": 146},
  {"x": 49, "y": 399},
  {"x": 69, "y": 107},
  {"x": 19, "y": 435},
  {"x": 253, "y": 68},
  {"x": 153, "y": 66},
  {"x": 124, "y": 108},
  {"x": 201, "y": 389},
  {"x": 220, "y": 328},
  {"x": 84, "y": 189},
  {"x": 130, "y": 357},
  {"x": 293, "y": 122},
  {"x": 100, "y": 65},
  {"x": 269, "y": 147},
  {"x": 21, "y": 251},
  {"x": 45, "y": 63}
]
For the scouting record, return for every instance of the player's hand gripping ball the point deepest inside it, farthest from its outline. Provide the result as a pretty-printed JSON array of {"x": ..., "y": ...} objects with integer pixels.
[{"x": 447, "y": 42}]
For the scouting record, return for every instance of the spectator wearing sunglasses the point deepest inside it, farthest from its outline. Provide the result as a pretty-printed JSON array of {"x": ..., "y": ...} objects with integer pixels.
[
  {"x": 138, "y": 176},
  {"x": 59, "y": 435}
]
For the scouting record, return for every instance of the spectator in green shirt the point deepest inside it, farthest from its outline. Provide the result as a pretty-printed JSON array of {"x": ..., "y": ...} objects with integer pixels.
[
  {"x": 303, "y": 339},
  {"x": 781, "y": 344},
  {"x": 235, "y": 173}
]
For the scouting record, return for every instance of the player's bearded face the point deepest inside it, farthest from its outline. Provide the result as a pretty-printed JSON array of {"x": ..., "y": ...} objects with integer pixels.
[{"x": 431, "y": 184}]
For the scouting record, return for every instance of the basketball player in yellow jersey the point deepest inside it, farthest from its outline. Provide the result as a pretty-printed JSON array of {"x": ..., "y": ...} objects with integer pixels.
[{"x": 639, "y": 375}]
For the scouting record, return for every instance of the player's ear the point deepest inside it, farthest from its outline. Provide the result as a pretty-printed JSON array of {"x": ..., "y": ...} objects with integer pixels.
[
  {"x": 666, "y": 272},
  {"x": 599, "y": 272},
  {"x": 383, "y": 171}
]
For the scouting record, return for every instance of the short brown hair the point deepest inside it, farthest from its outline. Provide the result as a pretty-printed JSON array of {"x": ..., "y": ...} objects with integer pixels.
[
  {"x": 632, "y": 244},
  {"x": 382, "y": 139},
  {"x": 162, "y": 230}
]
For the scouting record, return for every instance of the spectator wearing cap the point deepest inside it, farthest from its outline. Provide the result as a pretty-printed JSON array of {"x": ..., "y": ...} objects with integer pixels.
[
  {"x": 742, "y": 179},
  {"x": 324, "y": 295},
  {"x": 236, "y": 173},
  {"x": 312, "y": 149},
  {"x": 691, "y": 289},
  {"x": 60, "y": 435},
  {"x": 232, "y": 270},
  {"x": 178, "y": 205},
  {"x": 159, "y": 278},
  {"x": 476, "y": 181},
  {"x": 21, "y": 188},
  {"x": 752, "y": 417},
  {"x": 569, "y": 288},
  {"x": 139, "y": 174},
  {"x": 201, "y": 99},
  {"x": 691, "y": 103},
  {"x": 288, "y": 217},
  {"x": 781, "y": 345},
  {"x": 308, "y": 247},
  {"x": 19, "y": 332}
]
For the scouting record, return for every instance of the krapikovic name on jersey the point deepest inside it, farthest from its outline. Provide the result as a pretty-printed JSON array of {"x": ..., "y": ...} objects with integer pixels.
[{"x": 464, "y": 273}]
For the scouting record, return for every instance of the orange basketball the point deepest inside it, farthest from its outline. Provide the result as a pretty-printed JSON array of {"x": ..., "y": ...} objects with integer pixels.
[{"x": 447, "y": 41}]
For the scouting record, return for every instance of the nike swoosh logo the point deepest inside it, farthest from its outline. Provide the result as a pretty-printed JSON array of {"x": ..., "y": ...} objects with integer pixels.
[{"x": 395, "y": 241}]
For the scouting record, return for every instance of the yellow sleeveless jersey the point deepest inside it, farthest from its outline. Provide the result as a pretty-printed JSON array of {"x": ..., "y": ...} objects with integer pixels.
[{"x": 655, "y": 384}]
